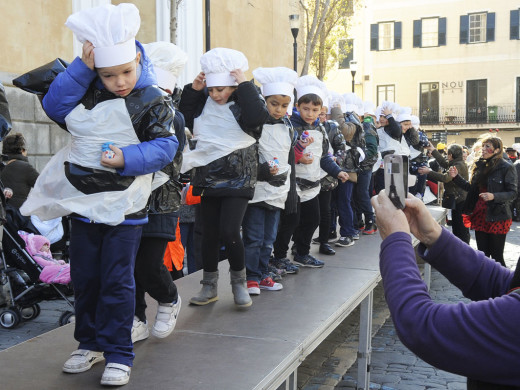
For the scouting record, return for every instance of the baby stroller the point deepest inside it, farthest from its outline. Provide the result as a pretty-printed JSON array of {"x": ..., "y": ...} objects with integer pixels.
[{"x": 20, "y": 287}]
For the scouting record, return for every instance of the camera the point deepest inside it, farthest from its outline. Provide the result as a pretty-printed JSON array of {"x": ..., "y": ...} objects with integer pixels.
[{"x": 396, "y": 178}]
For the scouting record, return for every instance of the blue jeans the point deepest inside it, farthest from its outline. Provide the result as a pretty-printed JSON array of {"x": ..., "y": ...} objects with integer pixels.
[
  {"x": 259, "y": 229},
  {"x": 346, "y": 215},
  {"x": 102, "y": 272},
  {"x": 362, "y": 196},
  {"x": 187, "y": 236}
]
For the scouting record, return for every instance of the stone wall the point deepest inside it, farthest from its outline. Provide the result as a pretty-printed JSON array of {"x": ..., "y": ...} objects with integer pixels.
[{"x": 44, "y": 137}]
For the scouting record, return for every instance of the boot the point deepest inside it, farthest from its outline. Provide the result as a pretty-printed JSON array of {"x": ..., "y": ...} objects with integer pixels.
[
  {"x": 239, "y": 288},
  {"x": 208, "y": 292}
]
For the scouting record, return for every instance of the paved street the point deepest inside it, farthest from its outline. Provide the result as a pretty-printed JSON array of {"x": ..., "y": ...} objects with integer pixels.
[{"x": 332, "y": 366}]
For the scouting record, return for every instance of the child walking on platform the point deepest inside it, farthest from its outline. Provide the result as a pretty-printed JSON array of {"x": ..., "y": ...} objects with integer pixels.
[
  {"x": 276, "y": 162},
  {"x": 106, "y": 96},
  {"x": 226, "y": 126},
  {"x": 311, "y": 94}
]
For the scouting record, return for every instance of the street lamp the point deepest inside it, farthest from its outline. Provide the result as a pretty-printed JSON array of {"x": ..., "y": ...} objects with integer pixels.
[
  {"x": 295, "y": 27},
  {"x": 353, "y": 69}
]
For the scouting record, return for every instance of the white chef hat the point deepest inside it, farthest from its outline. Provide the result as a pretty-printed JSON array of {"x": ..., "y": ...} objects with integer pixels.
[
  {"x": 416, "y": 123},
  {"x": 516, "y": 147},
  {"x": 404, "y": 114},
  {"x": 369, "y": 108},
  {"x": 359, "y": 106},
  {"x": 350, "y": 102},
  {"x": 310, "y": 84},
  {"x": 379, "y": 112},
  {"x": 219, "y": 62},
  {"x": 111, "y": 29},
  {"x": 276, "y": 81},
  {"x": 336, "y": 99},
  {"x": 168, "y": 61}
]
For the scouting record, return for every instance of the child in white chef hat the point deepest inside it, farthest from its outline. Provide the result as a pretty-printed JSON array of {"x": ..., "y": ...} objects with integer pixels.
[
  {"x": 109, "y": 95},
  {"x": 226, "y": 114}
]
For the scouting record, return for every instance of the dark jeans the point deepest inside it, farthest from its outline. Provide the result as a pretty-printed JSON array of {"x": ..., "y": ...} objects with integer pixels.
[
  {"x": 457, "y": 224},
  {"x": 102, "y": 259},
  {"x": 362, "y": 196},
  {"x": 286, "y": 228},
  {"x": 379, "y": 180},
  {"x": 346, "y": 215},
  {"x": 473, "y": 384},
  {"x": 309, "y": 221},
  {"x": 325, "y": 216},
  {"x": 492, "y": 245},
  {"x": 259, "y": 229},
  {"x": 151, "y": 275},
  {"x": 221, "y": 221}
]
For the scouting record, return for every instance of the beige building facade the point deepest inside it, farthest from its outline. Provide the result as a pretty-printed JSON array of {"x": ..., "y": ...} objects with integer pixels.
[{"x": 455, "y": 62}]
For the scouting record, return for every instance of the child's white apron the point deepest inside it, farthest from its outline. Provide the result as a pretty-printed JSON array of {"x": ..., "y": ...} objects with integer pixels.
[
  {"x": 274, "y": 142},
  {"x": 311, "y": 172},
  {"x": 217, "y": 133},
  {"x": 54, "y": 196}
]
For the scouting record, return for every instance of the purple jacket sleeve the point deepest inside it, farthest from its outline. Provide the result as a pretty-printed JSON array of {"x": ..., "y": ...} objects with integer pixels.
[{"x": 479, "y": 339}]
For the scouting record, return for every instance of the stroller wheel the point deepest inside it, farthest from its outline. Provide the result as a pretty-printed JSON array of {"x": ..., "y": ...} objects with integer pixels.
[
  {"x": 67, "y": 317},
  {"x": 30, "y": 312},
  {"x": 10, "y": 318}
]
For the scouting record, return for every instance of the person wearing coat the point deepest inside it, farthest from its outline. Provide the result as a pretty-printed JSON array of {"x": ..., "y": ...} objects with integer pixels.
[
  {"x": 492, "y": 188},
  {"x": 454, "y": 196}
]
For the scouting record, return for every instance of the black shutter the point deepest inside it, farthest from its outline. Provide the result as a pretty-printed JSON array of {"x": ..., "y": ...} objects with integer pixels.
[
  {"x": 442, "y": 31},
  {"x": 490, "y": 27},
  {"x": 374, "y": 36},
  {"x": 514, "y": 21},
  {"x": 464, "y": 29},
  {"x": 417, "y": 33},
  {"x": 397, "y": 35}
]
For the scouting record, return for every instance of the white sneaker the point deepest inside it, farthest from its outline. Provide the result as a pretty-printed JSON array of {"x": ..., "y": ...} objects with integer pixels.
[
  {"x": 166, "y": 318},
  {"x": 82, "y": 360},
  {"x": 115, "y": 374},
  {"x": 139, "y": 330}
]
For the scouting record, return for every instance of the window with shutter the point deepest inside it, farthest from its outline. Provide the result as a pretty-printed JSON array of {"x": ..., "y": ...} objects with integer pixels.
[
  {"x": 430, "y": 32},
  {"x": 386, "y": 36},
  {"x": 477, "y": 28}
]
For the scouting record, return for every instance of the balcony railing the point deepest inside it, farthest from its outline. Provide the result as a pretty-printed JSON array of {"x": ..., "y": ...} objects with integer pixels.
[{"x": 461, "y": 115}]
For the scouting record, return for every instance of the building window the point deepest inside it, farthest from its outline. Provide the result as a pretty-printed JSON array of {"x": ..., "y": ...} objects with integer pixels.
[
  {"x": 476, "y": 101},
  {"x": 346, "y": 53},
  {"x": 429, "y": 103},
  {"x": 429, "y": 32},
  {"x": 385, "y": 36},
  {"x": 385, "y": 93},
  {"x": 477, "y": 28},
  {"x": 469, "y": 142},
  {"x": 517, "y": 140}
]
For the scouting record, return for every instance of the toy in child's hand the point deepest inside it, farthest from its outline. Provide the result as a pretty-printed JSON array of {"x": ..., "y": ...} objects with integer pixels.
[
  {"x": 273, "y": 163},
  {"x": 106, "y": 151},
  {"x": 305, "y": 135},
  {"x": 309, "y": 155}
]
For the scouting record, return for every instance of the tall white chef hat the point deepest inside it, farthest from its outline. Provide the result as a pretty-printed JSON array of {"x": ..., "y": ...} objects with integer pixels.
[
  {"x": 168, "y": 61},
  {"x": 276, "y": 81},
  {"x": 416, "y": 123},
  {"x": 219, "y": 62},
  {"x": 369, "y": 108},
  {"x": 404, "y": 114},
  {"x": 350, "y": 102},
  {"x": 111, "y": 29},
  {"x": 310, "y": 84},
  {"x": 336, "y": 99}
]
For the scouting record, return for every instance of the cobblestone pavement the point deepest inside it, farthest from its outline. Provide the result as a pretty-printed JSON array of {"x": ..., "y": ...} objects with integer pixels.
[{"x": 333, "y": 366}]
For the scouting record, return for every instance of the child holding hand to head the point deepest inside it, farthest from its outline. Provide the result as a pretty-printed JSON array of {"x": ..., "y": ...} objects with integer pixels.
[
  {"x": 226, "y": 126},
  {"x": 276, "y": 157},
  {"x": 107, "y": 95}
]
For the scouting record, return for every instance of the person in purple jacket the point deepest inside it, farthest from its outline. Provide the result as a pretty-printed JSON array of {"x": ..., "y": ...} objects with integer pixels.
[{"x": 480, "y": 339}]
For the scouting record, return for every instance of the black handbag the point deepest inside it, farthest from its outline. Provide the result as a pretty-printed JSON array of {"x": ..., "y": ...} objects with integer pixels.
[{"x": 449, "y": 201}]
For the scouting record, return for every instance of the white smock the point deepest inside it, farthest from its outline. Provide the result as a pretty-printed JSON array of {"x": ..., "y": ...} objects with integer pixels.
[
  {"x": 54, "y": 196},
  {"x": 311, "y": 172},
  {"x": 217, "y": 133},
  {"x": 274, "y": 142}
]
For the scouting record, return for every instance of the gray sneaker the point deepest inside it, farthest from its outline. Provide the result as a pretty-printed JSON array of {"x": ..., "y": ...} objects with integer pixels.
[{"x": 345, "y": 241}]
